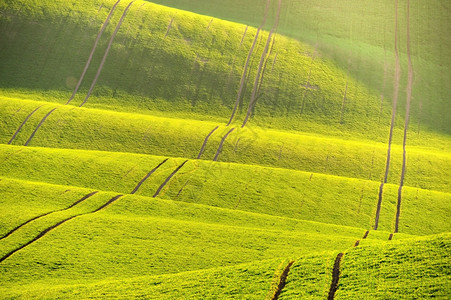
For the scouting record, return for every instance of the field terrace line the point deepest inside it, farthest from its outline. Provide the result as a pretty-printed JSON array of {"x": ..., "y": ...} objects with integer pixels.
[
  {"x": 48, "y": 213},
  {"x": 392, "y": 123},
  {"x": 263, "y": 58},
  {"x": 47, "y": 230},
  {"x": 102, "y": 29},
  {"x": 107, "y": 51}
]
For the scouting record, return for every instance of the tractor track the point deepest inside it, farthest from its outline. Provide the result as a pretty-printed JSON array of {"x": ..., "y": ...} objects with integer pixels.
[
  {"x": 205, "y": 142},
  {"x": 263, "y": 59},
  {"x": 99, "y": 35},
  {"x": 21, "y": 125},
  {"x": 39, "y": 126},
  {"x": 47, "y": 230},
  {"x": 406, "y": 125},
  {"x": 392, "y": 123},
  {"x": 48, "y": 213},
  {"x": 169, "y": 27},
  {"x": 283, "y": 280},
  {"x": 246, "y": 65},
  {"x": 107, "y": 51},
  {"x": 335, "y": 276},
  {"x": 221, "y": 144},
  {"x": 169, "y": 178},
  {"x": 147, "y": 176}
]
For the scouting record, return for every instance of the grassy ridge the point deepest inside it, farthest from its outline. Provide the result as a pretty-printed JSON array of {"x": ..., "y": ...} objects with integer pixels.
[
  {"x": 359, "y": 37},
  {"x": 118, "y": 241},
  {"x": 417, "y": 268},
  {"x": 104, "y": 130},
  {"x": 250, "y": 188},
  {"x": 251, "y": 280},
  {"x": 183, "y": 71}
]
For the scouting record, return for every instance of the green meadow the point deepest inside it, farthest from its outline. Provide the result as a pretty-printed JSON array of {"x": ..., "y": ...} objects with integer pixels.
[{"x": 224, "y": 150}]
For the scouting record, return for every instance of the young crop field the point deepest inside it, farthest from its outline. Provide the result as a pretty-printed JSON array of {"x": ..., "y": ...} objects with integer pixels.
[{"x": 261, "y": 149}]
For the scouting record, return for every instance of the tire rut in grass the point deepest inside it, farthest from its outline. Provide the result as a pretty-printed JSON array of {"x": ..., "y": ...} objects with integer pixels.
[
  {"x": 406, "y": 124},
  {"x": 169, "y": 27},
  {"x": 21, "y": 125},
  {"x": 260, "y": 70},
  {"x": 147, "y": 176},
  {"x": 392, "y": 123},
  {"x": 246, "y": 65},
  {"x": 221, "y": 144},
  {"x": 48, "y": 213},
  {"x": 107, "y": 51},
  {"x": 169, "y": 178},
  {"x": 99, "y": 35},
  {"x": 47, "y": 230},
  {"x": 205, "y": 142},
  {"x": 335, "y": 277},
  {"x": 39, "y": 126},
  {"x": 282, "y": 282}
]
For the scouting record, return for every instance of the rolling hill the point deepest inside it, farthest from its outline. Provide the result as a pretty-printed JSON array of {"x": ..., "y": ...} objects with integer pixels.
[{"x": 224, "y": 150}]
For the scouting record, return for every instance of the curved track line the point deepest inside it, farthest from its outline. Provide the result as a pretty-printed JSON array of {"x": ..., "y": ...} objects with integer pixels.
[
  {"x": 110, "y": 43},
  {"x": 246, "y": 65},
  {"x": 366, "y": 234},
  {"x": 283, "y": 279},
  {"x": 169, "y": 178},
  {"x": 147, "y": 176},
  {"x": 102, "y": 29},
  {"x": 205, "y": 142},
  {"x": 390, "y": 237},
  {"x": 221, "y": 144},
  {"x": 47, "y": 213},
  {"x": 335, "y": 277},
  {"x": 47, "y": 230},
  {"x": 406, "y": 125},
  {"x": 21, "y": 125},
  {"x": 169, "y": 27},
  {"x": 258, "y": 78},
  {"x": 39, "y": 126},
  {"x": 392, "y": 123}
]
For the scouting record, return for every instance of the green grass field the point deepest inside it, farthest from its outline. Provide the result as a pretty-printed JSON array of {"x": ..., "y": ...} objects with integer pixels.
[{"x": 126, "y": 173}]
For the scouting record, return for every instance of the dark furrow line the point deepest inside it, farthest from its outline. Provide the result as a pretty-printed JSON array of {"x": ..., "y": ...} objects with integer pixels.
[
  {"x": 47, "y": 230},
  {"x": 181, "y": 189},
  {"x": 102, "y": 29},
  {"x": 357, "y": 243},
  {"x": 107, "y": 51},
  {"x": 169, "y": 27},
  {"x": 390, "y": 237},
  {"x": 274, "y": 62},
  {"x": 21, "y": 125},
  {"x": 392, "y": 123},
  {"x": 147, "y": 176},
  {"x": 263, "y": 58},
  {"x": 344, "y": 103},
  {"x": 47, "y": 213},
  {"x": 366, "y": 234},
  {"x": 406, "y": 125},
  {"x": 283, "y": 279},
  {"x": 39, "y": 126},
  {"x": 169, "y": 178},
  {"x": 246, "y": 65},
  {"x": 205, "y": 142},
  {"x": 244, "y": 35},
  {"x": 335, "y": 277},
  {"x": 222, "y": 143}
]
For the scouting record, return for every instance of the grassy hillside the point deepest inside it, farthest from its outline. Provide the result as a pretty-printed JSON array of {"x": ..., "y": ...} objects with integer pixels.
[
  {"x": 109, "y": 131},
  {"x": 359, "y": 37},
  {"x": 147, "y": 151},
  {"x": 265, "y": 190},
  {"x": 196, "y": 67}
]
